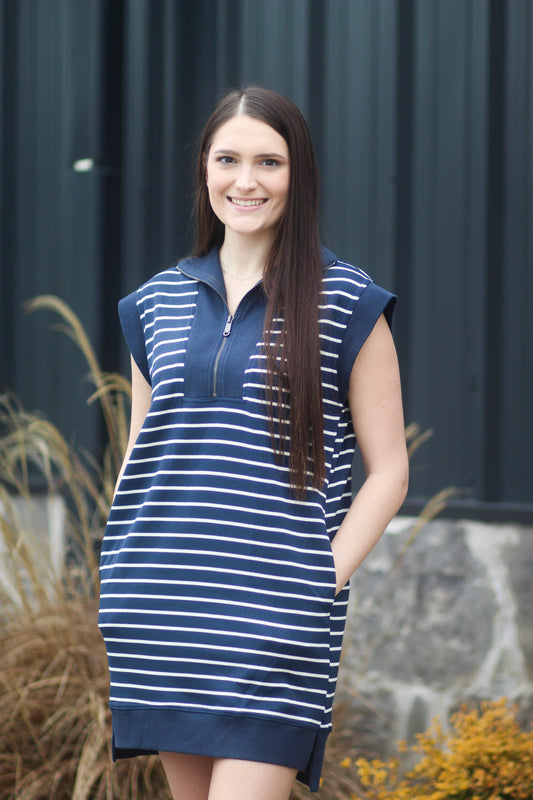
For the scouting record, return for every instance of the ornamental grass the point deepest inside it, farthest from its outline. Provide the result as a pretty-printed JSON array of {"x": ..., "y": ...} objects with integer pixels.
[{"x": 55, "y": 725}]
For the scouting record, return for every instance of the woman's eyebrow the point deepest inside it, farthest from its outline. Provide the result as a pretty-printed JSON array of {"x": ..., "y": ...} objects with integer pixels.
[{"x": 258, "y": 155}]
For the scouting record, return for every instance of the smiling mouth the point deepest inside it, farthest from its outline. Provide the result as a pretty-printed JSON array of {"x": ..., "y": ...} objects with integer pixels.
[{"x": 247, "y": 203}]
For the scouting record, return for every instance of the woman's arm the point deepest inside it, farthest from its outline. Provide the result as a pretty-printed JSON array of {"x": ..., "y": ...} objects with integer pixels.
[
  {"x": 376, "y": 405},
  {"x": 141, "y": 393}
]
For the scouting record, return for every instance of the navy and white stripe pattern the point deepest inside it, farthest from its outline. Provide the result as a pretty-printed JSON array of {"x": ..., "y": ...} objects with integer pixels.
[{"x": 218, "y": 598}]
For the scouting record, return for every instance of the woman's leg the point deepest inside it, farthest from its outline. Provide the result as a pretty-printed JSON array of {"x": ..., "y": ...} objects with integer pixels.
[
  {"x": 188, "y": 776},
  {"x": 233, "y": 779}
]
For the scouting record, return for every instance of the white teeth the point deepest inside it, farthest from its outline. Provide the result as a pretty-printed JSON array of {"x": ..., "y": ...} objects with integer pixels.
[{"x": 237, "y": 202}]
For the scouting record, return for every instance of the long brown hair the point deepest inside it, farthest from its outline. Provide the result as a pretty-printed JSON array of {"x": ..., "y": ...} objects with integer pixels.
[{"x": 292, "y": 282}]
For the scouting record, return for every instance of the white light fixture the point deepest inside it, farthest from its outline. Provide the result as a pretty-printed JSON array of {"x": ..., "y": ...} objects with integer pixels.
[{"x": 83, "y": 165}]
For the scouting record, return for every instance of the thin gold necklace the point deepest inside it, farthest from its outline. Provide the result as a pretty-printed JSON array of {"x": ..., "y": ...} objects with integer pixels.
[{"x": 237, "y": 278}]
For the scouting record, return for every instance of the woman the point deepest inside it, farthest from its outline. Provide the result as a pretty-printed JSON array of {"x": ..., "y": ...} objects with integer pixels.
[{"x": 256, "y": 363}]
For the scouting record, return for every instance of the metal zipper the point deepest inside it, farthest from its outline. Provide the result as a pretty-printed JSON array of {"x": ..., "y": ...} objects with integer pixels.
[{"x": 225, "y": 333}]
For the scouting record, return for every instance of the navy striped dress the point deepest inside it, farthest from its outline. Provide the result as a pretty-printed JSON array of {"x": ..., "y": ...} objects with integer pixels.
[{"x": 218, "y": 606}]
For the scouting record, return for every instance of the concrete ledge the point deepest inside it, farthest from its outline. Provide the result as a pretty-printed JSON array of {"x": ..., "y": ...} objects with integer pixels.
[{"x": 37, "y": 526}]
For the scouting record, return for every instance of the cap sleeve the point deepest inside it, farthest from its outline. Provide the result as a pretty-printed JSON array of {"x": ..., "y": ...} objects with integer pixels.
[
  {"x": 373, "y": 302},
  {"x": 133, "y": 332}
]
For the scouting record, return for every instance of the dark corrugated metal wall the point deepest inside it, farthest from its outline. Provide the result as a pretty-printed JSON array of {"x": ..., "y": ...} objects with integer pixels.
[
  {"x": 51, "y": 216},
  {"x": 421, "y": 113}
]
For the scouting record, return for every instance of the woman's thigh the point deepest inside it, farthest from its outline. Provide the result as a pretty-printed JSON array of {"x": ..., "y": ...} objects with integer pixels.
[
  {"x": 189, "y": 777},
  {"x": 233, "y": 779}
]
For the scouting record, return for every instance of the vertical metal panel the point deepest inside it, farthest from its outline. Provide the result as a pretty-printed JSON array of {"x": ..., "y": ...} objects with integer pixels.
[
  {"x": 468, "y": 454},
  {"x": 403, "y": 123},
  {"x": 228, "y": 40},
  {"x": 359, "y": 165},
  {"x": 516, "y": 302},
  {"x": 136, "y": 121},
  {"x": 275, "y": 40},
  {"x": 493, "y": 321},
  {"x": 449, "y": 157},
  {"x": 8, "y": 184},
  {"x": 110, "y": 209}
]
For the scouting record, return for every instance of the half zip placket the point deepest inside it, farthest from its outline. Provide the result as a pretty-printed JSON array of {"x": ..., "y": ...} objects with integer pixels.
[
  {"x": 214, "y": 280},
  {"x": 225, "y": 335}
]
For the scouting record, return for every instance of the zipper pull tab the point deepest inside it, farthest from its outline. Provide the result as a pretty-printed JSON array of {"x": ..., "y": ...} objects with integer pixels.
[{"x": 229, "y": 323}]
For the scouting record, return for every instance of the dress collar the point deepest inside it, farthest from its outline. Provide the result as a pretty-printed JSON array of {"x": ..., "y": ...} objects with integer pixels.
[{"x": 208, "y": 270}]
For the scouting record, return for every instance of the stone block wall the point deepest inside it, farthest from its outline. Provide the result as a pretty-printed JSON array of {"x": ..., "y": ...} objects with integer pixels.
[{"x": 444, "y": 619}]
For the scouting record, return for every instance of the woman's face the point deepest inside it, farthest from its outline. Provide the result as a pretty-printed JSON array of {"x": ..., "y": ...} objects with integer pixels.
[{"x": 247, "y": 175}]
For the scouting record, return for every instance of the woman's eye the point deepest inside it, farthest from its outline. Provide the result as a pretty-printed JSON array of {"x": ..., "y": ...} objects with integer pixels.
[
  {"x": 270, "y": 162},
  {"x": 225, "y": 160}
]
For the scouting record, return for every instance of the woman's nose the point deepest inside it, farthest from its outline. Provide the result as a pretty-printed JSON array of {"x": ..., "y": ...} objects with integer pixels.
[{"x": 246, "y": 178}]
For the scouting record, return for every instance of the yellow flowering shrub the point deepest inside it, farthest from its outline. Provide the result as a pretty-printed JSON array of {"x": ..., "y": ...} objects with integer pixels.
[{"x": 485, "y": 756}]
